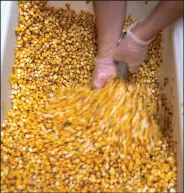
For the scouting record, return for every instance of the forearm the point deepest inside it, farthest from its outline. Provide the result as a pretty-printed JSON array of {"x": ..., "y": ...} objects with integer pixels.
[
  {"x": 164, "y": 14},
  {"x": 110, "y": 17}
]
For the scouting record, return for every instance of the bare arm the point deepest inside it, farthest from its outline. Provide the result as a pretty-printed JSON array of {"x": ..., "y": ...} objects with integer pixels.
[
  {"x": 110, "y": 17},
  {"x": 164, "y": 14}
]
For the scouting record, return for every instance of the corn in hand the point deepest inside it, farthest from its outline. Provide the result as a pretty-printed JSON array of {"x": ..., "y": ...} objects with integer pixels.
[{"x": 119, "y": 108}]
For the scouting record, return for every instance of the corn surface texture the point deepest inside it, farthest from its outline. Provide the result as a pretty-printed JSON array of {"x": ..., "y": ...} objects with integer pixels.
[{"x": 62, "y": 136}]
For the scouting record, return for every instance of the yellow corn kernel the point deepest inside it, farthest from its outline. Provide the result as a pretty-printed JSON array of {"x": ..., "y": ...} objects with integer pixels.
[{"x": 81, "y": 140}]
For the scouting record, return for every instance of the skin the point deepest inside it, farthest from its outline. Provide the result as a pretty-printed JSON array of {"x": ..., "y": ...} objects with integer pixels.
[
  {"x": 110, "y": 17},
  {"x": 164, "y": 14}
]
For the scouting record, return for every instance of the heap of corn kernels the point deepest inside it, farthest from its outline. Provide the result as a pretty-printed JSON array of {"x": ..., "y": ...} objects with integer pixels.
[{"x": 82, "y": 140}]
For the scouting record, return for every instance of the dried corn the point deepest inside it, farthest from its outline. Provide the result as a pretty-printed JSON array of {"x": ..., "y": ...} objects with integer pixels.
[{"x": 62, "y": 147}]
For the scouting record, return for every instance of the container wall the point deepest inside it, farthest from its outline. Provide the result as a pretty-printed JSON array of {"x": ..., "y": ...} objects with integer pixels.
[
  {"x": 172, "y": 69},
  {"x": 9, "y": 20}
]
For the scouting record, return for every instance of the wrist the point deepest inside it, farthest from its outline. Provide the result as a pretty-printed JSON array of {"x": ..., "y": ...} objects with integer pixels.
[
  {"x": 143, "y": 31},
  {"x": 105, "y": 52}
]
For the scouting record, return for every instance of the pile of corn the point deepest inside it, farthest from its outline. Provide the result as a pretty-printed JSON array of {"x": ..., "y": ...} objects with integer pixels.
[{"x": 58, "y": 139}]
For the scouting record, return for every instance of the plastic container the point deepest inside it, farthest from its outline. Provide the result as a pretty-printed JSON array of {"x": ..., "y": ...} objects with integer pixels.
[{"x": 172, "y": 67}]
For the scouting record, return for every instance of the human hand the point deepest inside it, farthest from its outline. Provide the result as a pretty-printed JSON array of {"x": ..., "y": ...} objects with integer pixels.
[
  {"x": 131, "y": 50},
  {"x": 104, "y": 69},
  {"x": 110, "y": 17}
]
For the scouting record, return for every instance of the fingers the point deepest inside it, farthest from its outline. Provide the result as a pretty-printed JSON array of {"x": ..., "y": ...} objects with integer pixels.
[
  {"x": 131, "y": 53},
  {"x": 104, "y": 69},
  {"x": 132, "y": 50}
]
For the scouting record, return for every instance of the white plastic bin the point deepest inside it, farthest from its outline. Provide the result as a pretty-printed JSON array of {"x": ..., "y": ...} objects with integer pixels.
[{"x": 172, "y": 67}]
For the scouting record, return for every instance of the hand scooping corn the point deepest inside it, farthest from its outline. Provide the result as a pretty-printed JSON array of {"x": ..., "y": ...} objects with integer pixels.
[{"x": 62, "y": 136}]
